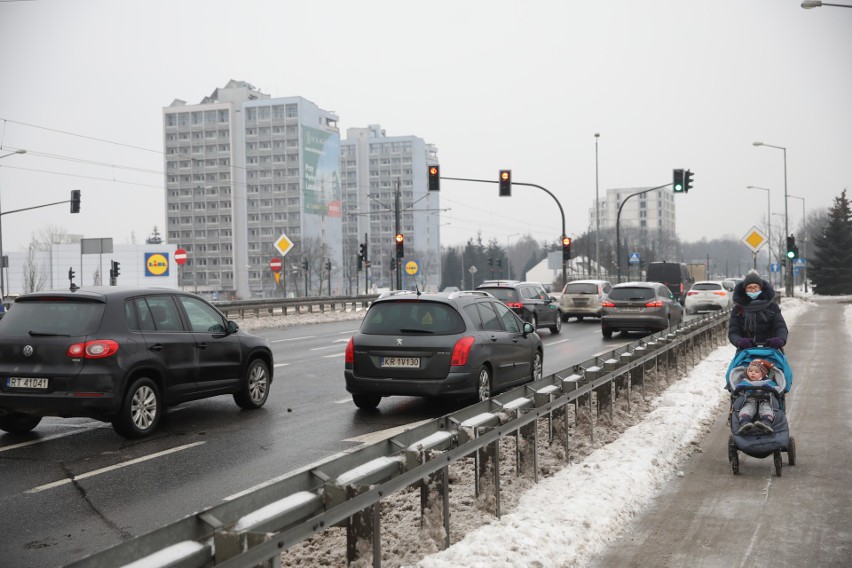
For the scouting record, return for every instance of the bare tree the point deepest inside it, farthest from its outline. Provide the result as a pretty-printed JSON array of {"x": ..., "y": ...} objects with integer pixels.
[
  {"x": 52, "y": 235},
  {"x": 34, "y": 275}
]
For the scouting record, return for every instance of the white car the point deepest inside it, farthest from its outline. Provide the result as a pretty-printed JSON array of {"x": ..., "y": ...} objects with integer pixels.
[{"x": 706, "y": 295}]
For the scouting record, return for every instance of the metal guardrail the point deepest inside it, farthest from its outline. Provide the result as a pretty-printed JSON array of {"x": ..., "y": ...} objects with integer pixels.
[
  {"x": 347, "y": 491},
  {"x": 289, "y": 306}
]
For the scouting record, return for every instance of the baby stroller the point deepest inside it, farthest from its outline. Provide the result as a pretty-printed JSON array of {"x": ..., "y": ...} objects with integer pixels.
[{"x": 774, "y": 388}]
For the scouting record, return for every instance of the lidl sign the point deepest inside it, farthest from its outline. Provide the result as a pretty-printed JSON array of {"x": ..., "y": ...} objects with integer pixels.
[{"x": 156, "y": 264}]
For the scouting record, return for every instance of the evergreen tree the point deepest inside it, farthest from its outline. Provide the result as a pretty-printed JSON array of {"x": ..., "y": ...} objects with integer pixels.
[{"x": 831, "y": 269}]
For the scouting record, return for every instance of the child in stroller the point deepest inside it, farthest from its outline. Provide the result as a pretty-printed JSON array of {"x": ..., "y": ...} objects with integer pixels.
[{"x": 766, "y": 431}]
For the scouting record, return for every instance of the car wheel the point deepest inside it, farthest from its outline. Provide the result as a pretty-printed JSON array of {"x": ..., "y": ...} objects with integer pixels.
[
  {"x": 607, "y": 333},
  {"x": 484, "y": 384},
  {"x": 557, "y": 325},
  {"x": 366, "y": 401},
  {"x": 565, "y": 318},
  {"x": 534, "y": 321},
  {"x": 17, "y": 423},
  {"x": 141, "y": 410},
  {"x": 255, "y": 386},
  {"x": 537, "y": 367}
]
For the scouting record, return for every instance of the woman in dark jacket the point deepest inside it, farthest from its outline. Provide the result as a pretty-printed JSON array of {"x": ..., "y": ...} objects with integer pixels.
[{"x": 755, "y": 318}]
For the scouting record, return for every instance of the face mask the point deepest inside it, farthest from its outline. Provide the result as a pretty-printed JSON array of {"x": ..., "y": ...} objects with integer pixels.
[{"x": 753, "y": 295}]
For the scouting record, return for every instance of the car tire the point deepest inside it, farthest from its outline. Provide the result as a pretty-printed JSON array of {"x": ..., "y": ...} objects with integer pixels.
[
  {"x": 607, "y": 333},
  {"x": 255, "y": 386},
  {"x": 565, "y": 318},
  {"x": 557, "y": 325},
  {"x": 366, "y": 401},
  {"x": 483, "y": 384},
  {"x": 537, "y": 366},
  {"x": 17, "y": 423},
  {"x": 140, "y": 411},
  {"x": 534, "y": 321}
]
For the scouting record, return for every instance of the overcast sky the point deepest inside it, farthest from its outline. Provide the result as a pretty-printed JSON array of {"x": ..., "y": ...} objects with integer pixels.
[{"x": 493, "y": 84}]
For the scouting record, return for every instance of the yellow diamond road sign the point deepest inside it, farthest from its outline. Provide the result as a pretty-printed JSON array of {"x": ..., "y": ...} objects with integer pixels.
[
  {"x": 283, "y": 244},
  {"x": 754, "y": 239}
]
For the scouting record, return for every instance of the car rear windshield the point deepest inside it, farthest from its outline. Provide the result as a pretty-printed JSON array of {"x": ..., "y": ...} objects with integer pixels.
[
  {"x": 631, "y": 293},
  {"x": 664, "y": 273},
  {"x": 412, "y": 317},
  {"x": 52, "y": 318},
  {"x": 579, "y": 288},
  {"x": 503, "y": 294},
  {"x": 707, "y": 286}
]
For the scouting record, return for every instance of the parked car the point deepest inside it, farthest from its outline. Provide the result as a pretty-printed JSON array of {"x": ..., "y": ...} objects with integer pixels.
[
  {"x": 2, "y": 307},
  {"x": 708, "y": 295},
  {"x": 122, "y": 356},
  {"x": 675, "y": 275},
  {"x": 462, "y": 344},
  {"x": 529, "y": 300},
  {"x": 640, "y": 306},
  {"x": 583, "y": 298}
]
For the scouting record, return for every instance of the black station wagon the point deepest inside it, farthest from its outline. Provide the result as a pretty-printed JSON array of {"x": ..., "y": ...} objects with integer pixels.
[{"x": 122, "y": 356}]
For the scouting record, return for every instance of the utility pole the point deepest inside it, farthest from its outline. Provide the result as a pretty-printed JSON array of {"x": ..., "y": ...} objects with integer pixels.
[{"x": 397, "y": 232}]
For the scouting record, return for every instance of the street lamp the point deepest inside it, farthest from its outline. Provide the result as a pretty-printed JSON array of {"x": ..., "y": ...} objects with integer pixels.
[
  {"x": 597, "y": 212},
  {"x": 804, "y": 241},
  {"x": 808, "y": 4},
  {"x": 788, "y": 277},
  {"x": 2, "y": 258},
  {"x": 768, "y": 223}
]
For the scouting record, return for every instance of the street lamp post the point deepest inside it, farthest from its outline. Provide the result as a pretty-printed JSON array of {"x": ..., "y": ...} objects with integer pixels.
[
  {"x": 804, "y": 242},
  {"x": 2, "y": 257},
  {"x": 768, "y": 224},
  {"x": 808, "y": 4},
  {"x": 597, "y": 212},
  {"x": 788, "y": 276}
]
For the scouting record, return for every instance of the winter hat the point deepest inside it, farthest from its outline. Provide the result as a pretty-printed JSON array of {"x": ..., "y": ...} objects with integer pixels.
[
  {"x": 752, "y": 278},
  {"x": 763, "y": 365}
]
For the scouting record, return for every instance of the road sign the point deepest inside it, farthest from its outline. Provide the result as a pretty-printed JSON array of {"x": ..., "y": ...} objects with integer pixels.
[
  {"x": 283, "y": 244},
  {"x": 799, "y": 262},
  {"x": 275, "y": 264},
  {"x": 774, "y": 267},
  {"x": 472, "y": 270},
  {"x": 411, "y": 267},
  {"x": 754, "y": 239},
  {"x": 634, "y": 258},
  {"x": 180, "y": 256}
]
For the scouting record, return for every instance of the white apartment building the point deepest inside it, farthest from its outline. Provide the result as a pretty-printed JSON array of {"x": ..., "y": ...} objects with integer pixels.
[
  {"x": 243, "y": 169},
  {"x": 652, "y": 211},
  {"x": 374, "y": 167}
]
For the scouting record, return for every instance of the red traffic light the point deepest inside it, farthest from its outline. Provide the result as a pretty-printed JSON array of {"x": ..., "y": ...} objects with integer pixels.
[
  {"x": 433, "y": 171},
  {"x": 566, "y": 241},
  {"x": 399, "y": 238}
]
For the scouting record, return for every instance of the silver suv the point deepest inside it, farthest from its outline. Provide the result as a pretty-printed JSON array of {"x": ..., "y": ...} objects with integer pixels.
[{"x": 583, "y": 298}]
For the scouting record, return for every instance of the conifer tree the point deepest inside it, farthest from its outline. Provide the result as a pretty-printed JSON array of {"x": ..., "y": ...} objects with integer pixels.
[{"x": 831, "y": 268}]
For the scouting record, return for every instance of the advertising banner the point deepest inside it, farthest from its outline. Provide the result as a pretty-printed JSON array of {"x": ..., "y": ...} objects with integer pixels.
[{"x": 321, "y": 151}]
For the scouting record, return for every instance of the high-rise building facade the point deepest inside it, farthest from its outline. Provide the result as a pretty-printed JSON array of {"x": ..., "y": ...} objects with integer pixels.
[
  {"x": 652, "y": 211},
  {"x": 385, "y": 189},
  {"x": 243, "y": 169}
]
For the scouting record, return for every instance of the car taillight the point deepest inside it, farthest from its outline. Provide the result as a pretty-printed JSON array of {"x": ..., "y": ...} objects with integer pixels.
[
  {"x": 681, "y": 287},
  {"x": 461, "y": 351},
  {"x": 515, "y": 305},
  {"x": 655, "y": 304},
  {"x": 349, "y": 355},
  {"x": 691, "y": 293},
  {"x": 607, "y": 304},
  {"x": 720, "y": 293},
  {"x": 97, "y": 349}
]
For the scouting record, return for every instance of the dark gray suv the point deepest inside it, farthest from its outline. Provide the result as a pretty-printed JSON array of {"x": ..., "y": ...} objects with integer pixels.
[
  {"x": 122, "y": 356},
  {"x": 462, "y": 344},
  {"x": 529, "y": 300}
]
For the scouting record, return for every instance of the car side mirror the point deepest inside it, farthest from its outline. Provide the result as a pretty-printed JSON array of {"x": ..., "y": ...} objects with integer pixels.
[
  {"x": 528, "y": 328},
  {"x": 232, "y": 326}
]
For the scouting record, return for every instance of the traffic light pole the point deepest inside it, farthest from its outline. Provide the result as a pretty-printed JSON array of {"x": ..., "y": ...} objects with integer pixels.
[
  {"x": 561, "y": 211},
  {"x": 618, "y": 225}
]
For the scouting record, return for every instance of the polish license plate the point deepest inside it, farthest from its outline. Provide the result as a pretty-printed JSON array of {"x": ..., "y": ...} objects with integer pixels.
[
  {"x": 401, "y": 362},
  {"x": 629, "y": 309},
  {"x": 26, "y": 383}
]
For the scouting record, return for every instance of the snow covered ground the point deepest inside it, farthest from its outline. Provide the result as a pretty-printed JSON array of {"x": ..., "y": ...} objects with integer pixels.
[{"x": 570, "y": 516}]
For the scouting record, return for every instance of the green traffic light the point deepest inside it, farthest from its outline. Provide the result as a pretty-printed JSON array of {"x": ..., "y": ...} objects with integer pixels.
[{"x": 791, "y": 254}]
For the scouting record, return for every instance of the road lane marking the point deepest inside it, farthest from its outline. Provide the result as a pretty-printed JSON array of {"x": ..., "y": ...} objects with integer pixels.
[
  {"x": 111, "y": 468},
  {"x": 293, "y": 339},
  {"x": 325, "y": 347},
  {"x": 373, "y": 437},
  {"x": 80, "y": 430},
  {"x": 343, "y": 400},
  {"x": 557, "y": 342},
  {"x": 335, "y": 355},
  {"x": 280, "y": 365}
]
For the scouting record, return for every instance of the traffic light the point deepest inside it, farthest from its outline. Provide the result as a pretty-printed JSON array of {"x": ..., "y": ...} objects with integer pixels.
[
  {"x": 491, "y": 264},
  {"x": 328, "y": 265},
  {"x": 792, "y": 249},
  {"x": 305, "y": 264},
  {"x": 393, "y": 263},
  {"x": 114, "y": 271},
  {"x": 677, "y": 183},
  {"x": 359, "y": 263},
  {"x": 434, "y": 178},
  {"x": 400, "y": 245},
  {"x": 566, "y": 248},
  {"x": 500, "y": 262},
  {"x": 505, "y": 183},
  {"x": 71, "y": 274},
  {"x": 75, "y": 201},
  {"x": 362, "y": 251},
  {"x": 687, "y": 181}
]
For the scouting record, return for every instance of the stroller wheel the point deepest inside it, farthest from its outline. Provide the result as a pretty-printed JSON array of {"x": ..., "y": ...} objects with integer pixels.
[
  {"x": 776, "y": 456},
  {"x": 733, "y": 457},
  {"x": 791, "y": 451}
]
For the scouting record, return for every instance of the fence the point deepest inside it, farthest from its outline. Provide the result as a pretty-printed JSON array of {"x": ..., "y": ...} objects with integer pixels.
[
  {"x": 289, "y": 306},
  {"x": 347, "y": 491}
]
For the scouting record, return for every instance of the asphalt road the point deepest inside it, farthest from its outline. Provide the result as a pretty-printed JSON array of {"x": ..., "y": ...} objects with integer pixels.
[
  {"x": 73, "y": 486},
  {"x": 711, "y": 518}
]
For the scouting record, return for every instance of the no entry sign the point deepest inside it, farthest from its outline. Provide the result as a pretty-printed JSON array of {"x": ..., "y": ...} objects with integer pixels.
[
  {"x": 180, "y": 256},
  {"x": 275, "y": 264}
]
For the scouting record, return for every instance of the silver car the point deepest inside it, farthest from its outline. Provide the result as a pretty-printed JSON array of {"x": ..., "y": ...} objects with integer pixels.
[
  {"x": 708, "y": 295},
  {"x": 640, "y": 306},
  {"x": 583, "y": 298}
]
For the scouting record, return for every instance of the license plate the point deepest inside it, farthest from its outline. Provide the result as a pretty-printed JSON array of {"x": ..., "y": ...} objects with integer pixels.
[
  {"x": 582, "y": 302},
  {"x": 26, "y": 383},
  {"x": 401, "y": 362},
  {"x": 629, "y": 309}
]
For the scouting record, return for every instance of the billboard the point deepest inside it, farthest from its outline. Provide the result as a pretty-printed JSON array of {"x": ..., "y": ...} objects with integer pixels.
[{"x": 321, "y": 151}]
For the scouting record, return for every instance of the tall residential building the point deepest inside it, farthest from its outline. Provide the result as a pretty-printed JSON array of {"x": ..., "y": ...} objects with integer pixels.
[
  {"x": 243, "y": 169},
  {"x": 652, "y": 211},
  {"x": 374, "y": 168}
]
